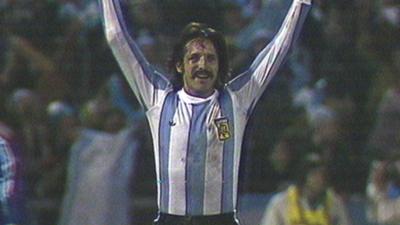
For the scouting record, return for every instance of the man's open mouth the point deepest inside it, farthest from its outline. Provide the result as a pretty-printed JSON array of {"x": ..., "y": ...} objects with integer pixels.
[{"x": 202, "y": 74}]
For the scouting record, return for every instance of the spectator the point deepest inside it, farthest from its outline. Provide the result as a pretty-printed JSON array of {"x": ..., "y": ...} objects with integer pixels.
[
  {"x": 94, "y": 113},
  {"x": 117, "y": 91},
  {"x": 283, "y": 161},
  {"x": 104, "y": 161},
  {"x": 385, "y": 136},
  {"x": 26, "y": 107},
  {"x": 51, "y": 184},
  {"x": 309, "y": 201},
  {"x": 384, "y": 185},
  {"x": 115, "y": 121},
  {"x": 31, "y": 49},
  {"x": 384, "y": 192},
  {"x": 11, "y": 208}
]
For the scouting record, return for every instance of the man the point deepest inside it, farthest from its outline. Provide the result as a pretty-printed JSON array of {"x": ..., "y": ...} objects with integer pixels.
[
  {"x": 99, "y": 170},
  {"x": 198, "y": 122},
  {"x": 309, "y": 201}
]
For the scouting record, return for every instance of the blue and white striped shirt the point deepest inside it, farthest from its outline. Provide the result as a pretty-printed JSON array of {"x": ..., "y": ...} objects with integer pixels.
[
  {"x": 197, "y": 141},
  {"x": 7, "y": 182}
]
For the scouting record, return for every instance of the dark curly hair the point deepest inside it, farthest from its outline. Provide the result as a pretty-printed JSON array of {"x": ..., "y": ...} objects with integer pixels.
[
  {"x": 199, "y": 30},
  {"x": 309, "y": 162}
]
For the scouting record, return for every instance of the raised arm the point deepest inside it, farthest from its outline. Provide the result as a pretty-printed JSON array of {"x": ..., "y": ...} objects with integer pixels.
[
  {"x": 250, "y": 85},
  {"x": 149, "y": 85}
]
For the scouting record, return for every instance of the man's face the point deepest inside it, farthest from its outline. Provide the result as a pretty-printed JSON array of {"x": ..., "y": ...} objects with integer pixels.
[
  {"x": 199, "y": 68},
  {"x": 317, "y": 180}
]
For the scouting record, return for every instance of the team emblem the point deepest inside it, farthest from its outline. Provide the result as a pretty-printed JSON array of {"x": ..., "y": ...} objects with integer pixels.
[{"x": 224, "y": 132}]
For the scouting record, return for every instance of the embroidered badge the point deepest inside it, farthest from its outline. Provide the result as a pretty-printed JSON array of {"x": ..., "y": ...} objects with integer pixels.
[{"x": 223, "y": 130}]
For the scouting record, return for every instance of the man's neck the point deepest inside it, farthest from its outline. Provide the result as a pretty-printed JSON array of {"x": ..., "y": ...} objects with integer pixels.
[
  {"x": 313, "y": 198},
  {"x": 198, "y": 94}
]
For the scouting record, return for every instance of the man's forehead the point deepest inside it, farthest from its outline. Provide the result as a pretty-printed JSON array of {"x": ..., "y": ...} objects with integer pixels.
[{"x": 199, "y": 44}]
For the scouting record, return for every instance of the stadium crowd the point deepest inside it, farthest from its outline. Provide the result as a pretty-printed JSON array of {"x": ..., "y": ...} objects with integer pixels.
[{"x": 81, "y": 142}]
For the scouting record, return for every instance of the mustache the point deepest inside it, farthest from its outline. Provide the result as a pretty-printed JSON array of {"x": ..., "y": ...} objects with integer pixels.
[{"x": 198, "y": 72}]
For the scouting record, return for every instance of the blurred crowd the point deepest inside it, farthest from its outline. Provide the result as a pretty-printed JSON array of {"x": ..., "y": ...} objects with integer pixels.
[{"x": 82, "y": 141}]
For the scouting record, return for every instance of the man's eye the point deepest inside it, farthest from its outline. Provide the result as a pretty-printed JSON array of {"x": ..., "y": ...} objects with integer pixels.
[
  {"x": 211, "y": 58},
  {"x": 194, "y": 58}
]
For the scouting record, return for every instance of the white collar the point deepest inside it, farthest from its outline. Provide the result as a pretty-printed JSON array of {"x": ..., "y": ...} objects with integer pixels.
[{"x": 187, "y": 98}]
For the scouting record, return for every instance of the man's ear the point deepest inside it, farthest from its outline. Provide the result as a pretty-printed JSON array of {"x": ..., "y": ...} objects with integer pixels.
[{"x": 179, "y": 67}]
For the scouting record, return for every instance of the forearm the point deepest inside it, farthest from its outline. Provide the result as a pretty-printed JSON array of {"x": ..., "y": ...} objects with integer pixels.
[
  {"x": 121, "y": 43},
  {"x": 142, "y": 79},
  {"x": 273, "y": 54},
  {"x": 251, "y": 84}
]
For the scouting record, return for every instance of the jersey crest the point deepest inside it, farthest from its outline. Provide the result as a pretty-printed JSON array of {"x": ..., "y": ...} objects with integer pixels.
[{"x": 223, "y": 129}]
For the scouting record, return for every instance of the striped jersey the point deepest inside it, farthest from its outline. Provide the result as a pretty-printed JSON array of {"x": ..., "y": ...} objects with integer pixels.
[
  {"x": 197, "y": 141},
  {"x": 8, "y": 173}
]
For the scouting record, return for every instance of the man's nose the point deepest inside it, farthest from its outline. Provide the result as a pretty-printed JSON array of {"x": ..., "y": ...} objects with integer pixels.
[{"x": 202, "y": 62}]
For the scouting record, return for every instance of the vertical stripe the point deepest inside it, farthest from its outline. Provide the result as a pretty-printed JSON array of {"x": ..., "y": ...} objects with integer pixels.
[
  {"x": 167, "y": 113},
  {"x": 236, "y": 162},
  {"x": 153, "y": 118},
  {"x": 300, "y": 21},
  {"x": 155, "y": 77},
  {"x": 228, "y": 154},
  {"x": 7, "y": 172},
  {"x": 213, "y": 167},
  {"x": 196, "y": 159},
  {"x": 177, "y": 158}
]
